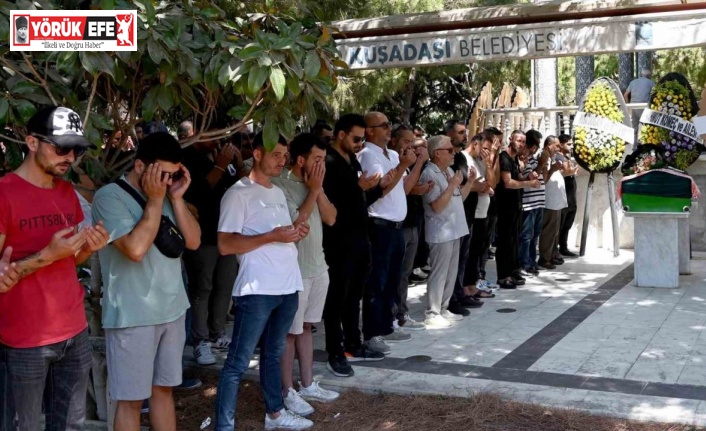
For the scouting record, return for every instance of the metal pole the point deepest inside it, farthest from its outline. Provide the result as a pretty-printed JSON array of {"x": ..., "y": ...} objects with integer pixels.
[
  {"x": 584, "y": 228},
  {"x": 613, "y": 215}
]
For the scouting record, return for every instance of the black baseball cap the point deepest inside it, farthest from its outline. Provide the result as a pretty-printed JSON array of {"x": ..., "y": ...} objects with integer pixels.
[{"x": 60, "y": 125}]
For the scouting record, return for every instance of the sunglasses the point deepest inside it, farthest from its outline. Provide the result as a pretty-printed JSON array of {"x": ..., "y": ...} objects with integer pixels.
[
  {"x": 63, "y": 150},
  {"x": 386, "y": 125},
  {"x": 174, "y": 176},
  {"x": 358, "y": 139}
]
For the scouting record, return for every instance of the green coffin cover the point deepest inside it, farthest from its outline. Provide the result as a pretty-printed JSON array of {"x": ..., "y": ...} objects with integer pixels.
[
  {"x": 657, "y": 183},
  {"x": 649, "y": 204}
]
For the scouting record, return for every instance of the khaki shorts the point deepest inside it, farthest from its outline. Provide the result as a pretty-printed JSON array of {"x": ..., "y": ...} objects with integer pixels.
[
  {"x": 311, "y": 302},
  {"x": 142, "y": 357}
]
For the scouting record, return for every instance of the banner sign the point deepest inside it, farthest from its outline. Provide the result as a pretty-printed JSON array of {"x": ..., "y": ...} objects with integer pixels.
[
  {"x": 591, "y": 121},
  {"x": 73, "y": 30},
  {"x": 670, "y": 122},
  {"x": 565, "y": 38}
]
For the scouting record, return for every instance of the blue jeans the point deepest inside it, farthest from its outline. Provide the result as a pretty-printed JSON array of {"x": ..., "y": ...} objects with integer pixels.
[
  {"x": 56, "y": 374},
  {"x": 263, "y": 320},
  {"x": 531, "y": 228}
]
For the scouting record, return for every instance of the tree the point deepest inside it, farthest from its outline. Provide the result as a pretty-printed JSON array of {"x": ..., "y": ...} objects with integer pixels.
[{"x": 268, "y": 68}]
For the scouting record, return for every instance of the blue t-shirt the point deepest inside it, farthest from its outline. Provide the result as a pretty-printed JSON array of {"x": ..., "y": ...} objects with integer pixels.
[{"x": 144, "y": 293}]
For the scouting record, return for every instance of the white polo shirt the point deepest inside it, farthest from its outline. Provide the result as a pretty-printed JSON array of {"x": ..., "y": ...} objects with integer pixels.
[{"x": 393, "y": 206}]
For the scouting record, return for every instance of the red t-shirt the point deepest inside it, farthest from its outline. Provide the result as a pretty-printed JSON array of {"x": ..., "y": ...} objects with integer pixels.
[{"x": 45, "y": 307}]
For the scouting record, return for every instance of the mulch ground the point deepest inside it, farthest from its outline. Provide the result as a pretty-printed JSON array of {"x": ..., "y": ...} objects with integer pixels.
[{"x": 357, "y": 411}]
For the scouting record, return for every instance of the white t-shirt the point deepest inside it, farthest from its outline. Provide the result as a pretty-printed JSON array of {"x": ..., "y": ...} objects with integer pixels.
[
  {"x": 393, "y": 206},
  {"x": 251, "y": 209},
  {"x": 555, "y": 190},
  {"x": 483, "y": 198}
]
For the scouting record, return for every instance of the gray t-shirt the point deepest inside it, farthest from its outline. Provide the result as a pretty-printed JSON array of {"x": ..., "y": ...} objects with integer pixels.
[
  {"x": 144, "y": 293},
  {"x": 449, "y": 224},
  {"x": 311, "y": 251},
  {"x": 640, "y": 90}
]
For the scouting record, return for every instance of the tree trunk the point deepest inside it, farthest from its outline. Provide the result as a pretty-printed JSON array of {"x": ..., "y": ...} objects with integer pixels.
[
  {"x": 585, "y": 67},
  {"x": 626, "y": 70},
  {"x": 407, "y": 109},
  {"x": 644, "y": 60}
]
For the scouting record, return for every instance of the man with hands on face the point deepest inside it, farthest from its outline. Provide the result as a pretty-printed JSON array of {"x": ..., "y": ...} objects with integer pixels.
[
  {"x": 44, "y": 341},
  {"x": 144, "y": 302},
  {"x": 255, "y": 224},
  {"x": 214, "y": 168},
  {"x": 403, "y": 139},
  {"x": 302, "y": 185}
]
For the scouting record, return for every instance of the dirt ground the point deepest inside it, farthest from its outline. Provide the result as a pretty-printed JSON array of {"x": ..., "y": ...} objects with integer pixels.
[{"x": 357, "y": 411}]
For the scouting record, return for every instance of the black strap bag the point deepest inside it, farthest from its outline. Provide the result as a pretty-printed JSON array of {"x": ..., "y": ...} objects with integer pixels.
[{"x": 169, "y": 241}]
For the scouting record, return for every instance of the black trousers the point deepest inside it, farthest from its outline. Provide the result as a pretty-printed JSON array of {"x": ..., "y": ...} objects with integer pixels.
[
  {"x": 568, "y": 214},
  {"x": 477, "y": 255},
  {"x": 463, "y": 256},
  {"x": 507, "y": 238},
  {"x": 349, "y": 266}
]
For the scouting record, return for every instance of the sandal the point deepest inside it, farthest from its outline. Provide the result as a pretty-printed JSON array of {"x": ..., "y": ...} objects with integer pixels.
[{"x": 482, "y": 294}]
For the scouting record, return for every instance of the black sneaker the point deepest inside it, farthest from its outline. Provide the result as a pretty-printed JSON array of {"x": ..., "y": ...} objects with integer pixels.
[
  {"x": 457, "y": 308},
  {"x": 505, "y": 284},
  {"x": 469, "y": 302},
  {"x": 187, "y": 384},
  {"x": 339, "y": 366},
  {"x": 557, "y": 261},
  {"x": 517, "y": 276},
  {"x": 567, "y": 253},
  {"x": 363, "y": 354}
]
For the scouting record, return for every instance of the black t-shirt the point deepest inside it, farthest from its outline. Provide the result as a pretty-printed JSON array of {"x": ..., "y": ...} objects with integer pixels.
[
  {"x": 471, "y": 202},
  {"x": 508, "y": 198},
  {"x": 351, "y": 202},
  {"x": 207, "y": 200}
]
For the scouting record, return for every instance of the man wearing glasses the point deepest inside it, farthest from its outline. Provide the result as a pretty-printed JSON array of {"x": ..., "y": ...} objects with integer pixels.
[
  {"x": 386, "y": 237},
  {"x": 445, "y": 225},
  {"x": 44, "y": 341},
  {"x": 145, "y": 302}
]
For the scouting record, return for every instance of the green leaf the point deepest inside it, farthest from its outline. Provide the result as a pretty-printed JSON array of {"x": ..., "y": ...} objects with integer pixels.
[
  {"x": 24, "y": 109},
  {"x": 293, "y": 85},
  {"x": 156, "y": 51},
  {"x": 40, "y": 99},
  {"x": 264, "y": 61},
  {"x": 4, "y": 28},
  {"x": 4, "y": 107},
  {"x": 22, "y": 87},
  {"x": 150, "y": 104},
  {"x": 278, "y": 82},
  {"x": 312, "y": 64},
  {"x": 165, "y": 99},
  {"x": 239, "y": 112},
  {"x": 270, "y": 133},
  {"x": 229, "y": 71},
  {"x": 256, "y": 78},
  {"x": 107, "y": 4},
  {"x": 283, "y": 43},
  {"x": 251, "y": 51},
  {"x": 211, "y": 13}
]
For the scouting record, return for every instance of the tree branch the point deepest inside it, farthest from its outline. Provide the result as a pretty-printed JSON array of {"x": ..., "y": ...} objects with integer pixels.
[
  {"x": 94, "y": 87},
  {"x": 19, "y": 72},
  {"x": 42, "y": 81}
]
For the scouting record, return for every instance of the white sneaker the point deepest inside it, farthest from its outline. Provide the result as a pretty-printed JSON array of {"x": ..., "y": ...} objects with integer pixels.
[
  {"x": 296, "y": 403},
  {"x": 395, "y": 324},
  {"x": 446, "y": 314},
  {"x": 435, "y": 321},
  {"x": 412, "y": 325},
  {"x": 317, "y": 393},
  {"x": 203, "y": 354},
  {"x": 488, "y": 285},
  {"x": 222, "y": 343},
  {"x": 287, "y": 421}
]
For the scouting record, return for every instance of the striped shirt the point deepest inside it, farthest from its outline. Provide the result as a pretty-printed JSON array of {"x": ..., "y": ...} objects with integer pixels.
[{"x": 532, "y": 198}]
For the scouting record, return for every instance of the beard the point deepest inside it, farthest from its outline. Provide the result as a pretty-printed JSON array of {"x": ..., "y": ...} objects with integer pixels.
[{"x": 57, "y": 170}]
